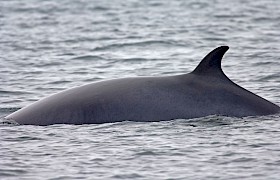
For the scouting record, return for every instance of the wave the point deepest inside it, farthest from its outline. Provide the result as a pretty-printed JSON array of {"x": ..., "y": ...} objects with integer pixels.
[
  {"x": 140, "y": 44},
  {"x": 88, "y": 57}
]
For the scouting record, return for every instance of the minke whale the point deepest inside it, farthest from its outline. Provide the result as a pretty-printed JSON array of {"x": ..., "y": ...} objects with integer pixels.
[{"x": 204, "y": 91}]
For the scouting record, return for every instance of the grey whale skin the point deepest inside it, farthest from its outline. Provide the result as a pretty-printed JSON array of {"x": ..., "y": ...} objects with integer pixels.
[{"x": 205, "y": 91}]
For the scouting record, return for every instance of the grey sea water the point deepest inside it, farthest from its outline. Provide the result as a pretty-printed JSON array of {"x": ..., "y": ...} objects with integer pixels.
[{"x": 48, "y": 46}]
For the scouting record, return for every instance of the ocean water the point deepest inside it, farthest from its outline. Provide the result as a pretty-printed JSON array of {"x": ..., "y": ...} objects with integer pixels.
[{"x": 48, "y": 46}]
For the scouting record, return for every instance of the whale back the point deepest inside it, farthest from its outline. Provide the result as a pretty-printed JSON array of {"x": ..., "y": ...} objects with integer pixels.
[
  {"x": 205, "y": 91},
  {"x": 209, "y": 73}
]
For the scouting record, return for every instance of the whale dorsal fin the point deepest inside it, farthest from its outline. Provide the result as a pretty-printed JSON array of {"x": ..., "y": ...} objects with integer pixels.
[{"x": 211, "y": 63}]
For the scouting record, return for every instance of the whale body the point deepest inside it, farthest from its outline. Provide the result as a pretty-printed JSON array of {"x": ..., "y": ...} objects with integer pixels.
[{"x": 202, "y": 92}]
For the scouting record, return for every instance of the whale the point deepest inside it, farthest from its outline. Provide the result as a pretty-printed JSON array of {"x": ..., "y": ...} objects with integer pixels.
[{"x": 204, "y": 91}]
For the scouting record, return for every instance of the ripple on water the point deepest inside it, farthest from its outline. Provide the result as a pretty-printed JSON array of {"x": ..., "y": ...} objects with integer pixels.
[{"x": 88, "y": 58}]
